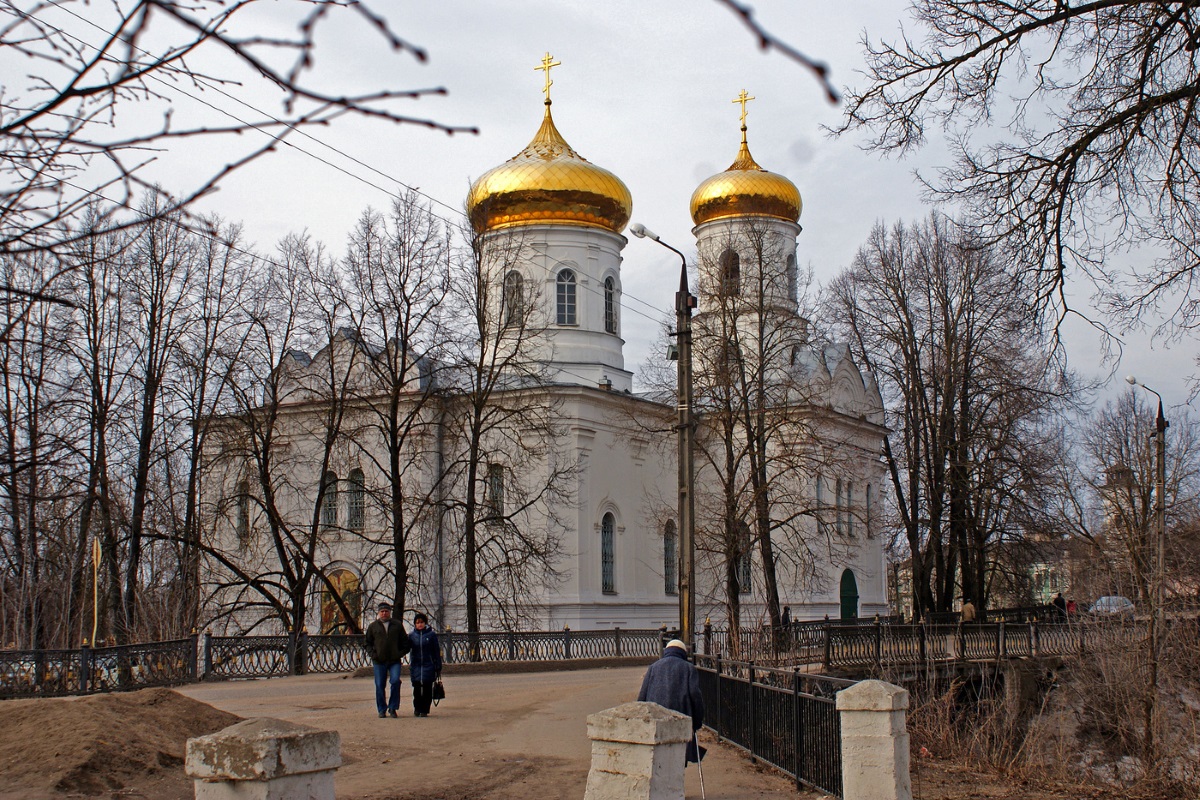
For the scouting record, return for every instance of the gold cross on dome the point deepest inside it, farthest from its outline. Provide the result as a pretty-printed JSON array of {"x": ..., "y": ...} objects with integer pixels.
[
  {"x": 548, "y": 63},
  {"x": 743, "y": 98}
]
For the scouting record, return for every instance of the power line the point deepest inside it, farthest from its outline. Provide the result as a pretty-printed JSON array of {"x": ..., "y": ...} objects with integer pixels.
[{"x": 453, "y": 224}]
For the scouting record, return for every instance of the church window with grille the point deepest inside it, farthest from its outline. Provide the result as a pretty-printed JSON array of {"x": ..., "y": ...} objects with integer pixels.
[
  {"x": 731, "y": 274},
  {"x": 513, "y": 299},
  {"x": 744, "y": 558},
  {"x": 867, "y": 511},
  {"x": 329, "y": 500},
  {"x": 670, "y": 558},
  {"x": 610, "y": 305},
  {"x": 608, "y": 554},
  {"x": 243, "y": 511},
  {"x": 495, "y": 489},
  {"x": 356, "y": 501},
  {"x": 792, "y": 278},
  {"x": 566, "y": 298}
]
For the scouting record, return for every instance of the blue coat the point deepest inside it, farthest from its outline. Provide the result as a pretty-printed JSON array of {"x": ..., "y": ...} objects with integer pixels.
[
  {"x": 425, "y": 658},
  {"x": 672, "y": 682}
]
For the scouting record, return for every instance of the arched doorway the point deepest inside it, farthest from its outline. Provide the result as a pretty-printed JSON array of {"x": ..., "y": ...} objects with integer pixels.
[
  {"x": 346, "y": 584},
  {"x": 849, "y": 595}
]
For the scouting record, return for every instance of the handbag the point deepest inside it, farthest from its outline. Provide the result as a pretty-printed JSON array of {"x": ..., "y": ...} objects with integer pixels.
[{"x": 439, "y": 690}]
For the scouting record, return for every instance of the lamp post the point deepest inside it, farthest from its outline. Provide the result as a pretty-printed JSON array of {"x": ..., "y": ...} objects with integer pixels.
[
  {"x": 685, "y": 301},
  {"x": 1160, "y": 499},
  {"x": 1157, "y": 621}
]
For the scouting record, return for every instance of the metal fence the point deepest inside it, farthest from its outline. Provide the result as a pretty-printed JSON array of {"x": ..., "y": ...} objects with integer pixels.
[
  {"x": 46, "y": 673},
  {"x": 877, "y": 644},
  {"x": 88, "y": 670},
  {"x": 782, "y": 717}
]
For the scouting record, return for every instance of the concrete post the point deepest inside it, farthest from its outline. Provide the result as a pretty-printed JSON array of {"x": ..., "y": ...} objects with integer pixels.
[
  {"x": 638, "y": 752},
  {"x": 264, "y": 759},
  {"x": 874, "y": 742}
]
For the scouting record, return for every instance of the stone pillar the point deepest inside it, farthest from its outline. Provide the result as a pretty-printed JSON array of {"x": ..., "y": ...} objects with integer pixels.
[
  {"x": 874, "y": 742},
  {"x": 264, "y": 759},
  {"x": 638, "y": 752}
]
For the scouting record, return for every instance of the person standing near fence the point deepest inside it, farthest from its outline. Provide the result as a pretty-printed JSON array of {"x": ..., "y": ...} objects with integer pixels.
[
  {"x": 424, "y": 663},
  {"x": 968, "y": 610},
  {"x": 673, "y": 683},
  {"x": 387, "y": 643}
]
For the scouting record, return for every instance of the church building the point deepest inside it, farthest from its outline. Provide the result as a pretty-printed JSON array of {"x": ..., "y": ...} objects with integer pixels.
[{"x": 788, "y": 434}]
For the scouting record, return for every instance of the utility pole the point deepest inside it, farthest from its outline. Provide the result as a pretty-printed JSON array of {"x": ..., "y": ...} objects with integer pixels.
[
  {"x": 1158, "y": 618},
  {"x": 685, "y": 429}
]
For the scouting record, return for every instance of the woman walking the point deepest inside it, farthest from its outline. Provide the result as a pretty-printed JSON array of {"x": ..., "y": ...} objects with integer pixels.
[{"x": 425, "y": 663}]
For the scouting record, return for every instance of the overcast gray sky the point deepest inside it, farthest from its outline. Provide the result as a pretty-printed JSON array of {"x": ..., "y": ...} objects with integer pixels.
[{"x": 645, "y": 90}]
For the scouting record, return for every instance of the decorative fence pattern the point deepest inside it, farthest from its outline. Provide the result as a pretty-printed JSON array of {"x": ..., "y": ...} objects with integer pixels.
[
  {"x": 876, "y": 644},
  {"x": 52, "y": 673},
  {"x": 458, "y": 647},
  {"x": 47, "y": 673},
  {"x": 783, "y": 717}
]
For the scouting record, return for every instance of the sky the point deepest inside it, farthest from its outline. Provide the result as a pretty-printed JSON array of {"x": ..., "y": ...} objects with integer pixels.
[{"x": 645, "y": 89}]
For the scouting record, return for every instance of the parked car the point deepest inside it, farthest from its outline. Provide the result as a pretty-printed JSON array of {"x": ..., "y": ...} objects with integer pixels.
[{"x": 1113, "y": 605}]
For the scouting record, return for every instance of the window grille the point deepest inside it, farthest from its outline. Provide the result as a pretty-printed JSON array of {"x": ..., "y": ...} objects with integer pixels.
[
  {"x": 566, "y": 298},
  {"x": 608, "y": 536}
]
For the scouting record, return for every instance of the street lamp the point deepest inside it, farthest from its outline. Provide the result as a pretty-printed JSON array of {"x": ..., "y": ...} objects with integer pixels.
[
  {"x": 1157, "y": 621},
  {"x": 685, "y": 301},
  {"x": 1160, "y": 497}
]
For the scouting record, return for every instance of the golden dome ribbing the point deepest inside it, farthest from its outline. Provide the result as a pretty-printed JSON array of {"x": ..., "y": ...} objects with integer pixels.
[
  {"x": 746, "y": 189},
  {"x": 548, "y": 182}
]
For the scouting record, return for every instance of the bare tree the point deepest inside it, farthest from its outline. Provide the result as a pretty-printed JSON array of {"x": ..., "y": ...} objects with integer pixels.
[
  {"x": 972, "y": 387},
  {"x": 397, "y": 271},
  {"x": 1089, "y": 109},
  {"x": 503, "y": 422},
  {"x": 59, "y": 130}
]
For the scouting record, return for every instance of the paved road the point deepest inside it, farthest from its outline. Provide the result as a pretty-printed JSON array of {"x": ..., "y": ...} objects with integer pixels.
[{"x": 496, "y": 737}]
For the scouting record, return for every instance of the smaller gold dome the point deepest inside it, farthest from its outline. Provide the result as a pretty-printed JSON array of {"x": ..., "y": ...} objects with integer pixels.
[
  {"x": 548, "y": 182},
  {"x": 746, "y": 189}
]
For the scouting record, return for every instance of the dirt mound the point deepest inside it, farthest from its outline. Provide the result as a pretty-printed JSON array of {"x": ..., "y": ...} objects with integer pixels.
[{"x": 132, "y": 744}]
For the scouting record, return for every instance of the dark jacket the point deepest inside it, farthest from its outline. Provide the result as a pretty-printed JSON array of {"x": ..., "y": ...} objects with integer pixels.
[
  {"x": 425, "y": 658},
  {"x": 387, "y": 646},
  {"x": 672, "y": 682}
]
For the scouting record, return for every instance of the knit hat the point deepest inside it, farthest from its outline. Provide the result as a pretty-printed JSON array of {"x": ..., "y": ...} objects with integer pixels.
[{"x": 677, "y": 643}]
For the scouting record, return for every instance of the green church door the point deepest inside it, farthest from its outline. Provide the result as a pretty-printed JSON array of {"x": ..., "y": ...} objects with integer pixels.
[{"x": 849, "y": 595}]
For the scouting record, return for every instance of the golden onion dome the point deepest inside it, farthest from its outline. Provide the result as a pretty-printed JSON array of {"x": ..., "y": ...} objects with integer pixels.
[
  {"x": 548, "y": 182},
  {"x": 746, "y": 189}
]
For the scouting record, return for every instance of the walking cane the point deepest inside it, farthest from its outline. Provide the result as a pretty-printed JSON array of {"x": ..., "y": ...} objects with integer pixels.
[{"x": 696, "y": 742}]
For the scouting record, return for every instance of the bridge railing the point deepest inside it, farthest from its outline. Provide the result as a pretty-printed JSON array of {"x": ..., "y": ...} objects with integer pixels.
[
  {"x": 877, "y": 644},
  {"x": 87, "y": 670},
  {"x": 783, "y": 717}
]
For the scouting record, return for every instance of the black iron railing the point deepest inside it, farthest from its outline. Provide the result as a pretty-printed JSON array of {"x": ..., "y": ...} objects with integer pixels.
[
  {"x": 783, "y": 717},
  {"x": 459, "y": 647},
  {"x": 52, "y": 673},
  {"x": 46, "y": 673},
  {"x": 875, "y": 644}
]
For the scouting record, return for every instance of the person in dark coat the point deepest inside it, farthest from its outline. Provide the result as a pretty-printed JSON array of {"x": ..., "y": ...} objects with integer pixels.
[
  {"x": 387, "y": 643},
  {"x": 424, "y": 663},
  {"x": 673, "y": 683}
]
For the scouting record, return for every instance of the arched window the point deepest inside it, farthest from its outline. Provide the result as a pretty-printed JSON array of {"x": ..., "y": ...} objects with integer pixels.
[
  {"x": 608, "y": 554},
  {"x": 513, "y": 299},
  {"x": 839, "y": 508},
  {"x": 494, "y": 496},
  {"x": 731, "y": 274},
  {"x": 670, "y": 559},
  {"x": 243, "y": 511},
  {"x": 610, "y": 305},
  {"x": 329, "y": 500},
  {"x": 792, "y": 278},
  {"x": 743, "y": 558},
  {"x": 566, "y": 298},
  {"x": 356, "y": 501},
  {"x": 867, "y": 511},
  {"x": 849, "y": 508},
  {"x": 819, "y": 500}
]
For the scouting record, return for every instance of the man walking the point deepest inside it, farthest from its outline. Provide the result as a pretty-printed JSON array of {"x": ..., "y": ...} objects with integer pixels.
[
  {"x": 673, "y": 683},
  {"x": 387, "y": 642}
]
